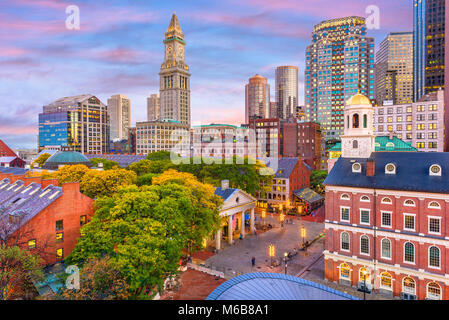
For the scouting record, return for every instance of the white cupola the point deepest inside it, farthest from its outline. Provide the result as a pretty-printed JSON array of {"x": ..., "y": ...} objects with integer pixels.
[{"x": 358, "y": 138}]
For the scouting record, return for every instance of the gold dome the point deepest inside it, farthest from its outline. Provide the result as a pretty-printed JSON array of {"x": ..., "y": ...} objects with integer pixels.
[{"x": 358, "y": 99}]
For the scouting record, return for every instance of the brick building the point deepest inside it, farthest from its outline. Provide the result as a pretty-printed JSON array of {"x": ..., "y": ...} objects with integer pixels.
[
  {"x": 386, "y": 215},
  {"x": 40, "y": 216},
  {"x": 303, "y": 139},
  {"x": 292, "y": 174}
]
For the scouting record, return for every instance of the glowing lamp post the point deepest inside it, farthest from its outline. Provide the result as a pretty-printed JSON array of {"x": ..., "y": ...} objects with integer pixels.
[
  {"x": 303, "y": 235},
  {"x": 281, "y": 218},
  {"x": 285, "y": 262},
  {"x": 271, "y": 252},
  {"x": 264, "y": 214},
  {"x": 364, "y": 273}
]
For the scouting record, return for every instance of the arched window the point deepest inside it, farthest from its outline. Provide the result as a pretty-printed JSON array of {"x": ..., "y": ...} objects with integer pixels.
[
  {"x": 364, "y": 199},
  {"x": 355, "y": 144},
  {"x": 386, "y": 200},
  {"x": 345, "y": 241},
  {"x": 364, "y": 274},
  {"x": 344, "y": 196},
  {"x": 434, "y": 205},
  {"x": 434, "y": 257},
  {"x": 355, "y": 121},
  {"x": 409, "y": 203},
  {"x": 409, "y": 252},
  {"x": 365, "y": 121},
  {"x": 386, "y": 281},
  {"x": 433, "y": 291},
  {"x": 345, "y": 271},
  {"x": 364, "y": 245},
  {"x": 408, "y": 285},
  {"x": 386, "y": 248}
]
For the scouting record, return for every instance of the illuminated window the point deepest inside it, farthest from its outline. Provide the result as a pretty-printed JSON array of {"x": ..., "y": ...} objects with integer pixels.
[
  {"x": 59, "y": 236},
  {"x": 433, "y": 291},
  {"x": 59, "y": 253},
  {"x": 31, "y": 244},
  {"x": 83, "y": 220},
  {"x": 386, "y": 280},
  {"x": 345, "y": 271},
  {"x": 408, "y": 285}
]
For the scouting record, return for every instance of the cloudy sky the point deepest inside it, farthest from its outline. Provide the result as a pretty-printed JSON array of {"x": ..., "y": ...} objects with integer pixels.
[{"x": 119, "y": 49}]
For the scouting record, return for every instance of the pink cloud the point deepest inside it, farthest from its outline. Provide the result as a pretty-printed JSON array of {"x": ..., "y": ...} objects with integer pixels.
[{"x": 12, "y": 52}]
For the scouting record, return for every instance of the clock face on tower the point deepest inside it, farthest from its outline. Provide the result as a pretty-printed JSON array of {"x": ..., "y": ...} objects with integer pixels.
[{"x": 169, "y": 50}]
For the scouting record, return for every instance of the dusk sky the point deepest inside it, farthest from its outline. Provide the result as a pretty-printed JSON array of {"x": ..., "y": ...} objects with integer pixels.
[{"x": 119, "y": 49}]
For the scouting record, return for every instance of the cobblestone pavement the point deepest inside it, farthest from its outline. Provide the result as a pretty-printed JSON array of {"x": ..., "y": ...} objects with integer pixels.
[{"x": 236, "y": 259}]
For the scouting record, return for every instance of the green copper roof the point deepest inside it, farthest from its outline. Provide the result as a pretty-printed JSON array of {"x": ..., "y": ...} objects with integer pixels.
[
  {"x": 216, "y": 125},
  {"x": 384, "y": 143},
  {"x": 66, "y": 157}
]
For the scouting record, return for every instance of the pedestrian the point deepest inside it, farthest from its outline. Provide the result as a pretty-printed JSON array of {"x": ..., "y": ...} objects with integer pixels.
[{"x": 253, "y": 261}]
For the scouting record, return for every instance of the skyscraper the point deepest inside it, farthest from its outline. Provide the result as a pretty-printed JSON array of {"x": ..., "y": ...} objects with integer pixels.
[
  {"x": 394, "y": 69},
  {"x": 80, "y": 122},
  {"x": 175, "y": 76},
  {"x": 119, "y": 109},
  {"x": 286, "y": 91},
  {"x": 153, "y": 107},
  {"x": 339, "y": 64},
  {"x": 257, "y": 98},
  {"x": 429, "y": 39}
]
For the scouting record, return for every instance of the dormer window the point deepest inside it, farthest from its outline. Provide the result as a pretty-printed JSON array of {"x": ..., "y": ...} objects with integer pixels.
[
  {"x": 344, "y": 197},
  {"x": 386, "y": 200},
  {"x": 356, "y": 167},
  {"x": 409, "y": 203},
  {"x": 435, "y": 170},
  {"x": 390, "y": 169}
]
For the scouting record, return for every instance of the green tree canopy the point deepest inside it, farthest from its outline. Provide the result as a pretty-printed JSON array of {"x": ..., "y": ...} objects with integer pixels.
[
  {"x": 145, "y": 229},
  {"x": 107, "y": 164},
  {"x": 159, "y": 155},
  {"x": 97, "y": 183},
  {"x": 41, "y": 159},
  {"x": 18, "y": 270}
]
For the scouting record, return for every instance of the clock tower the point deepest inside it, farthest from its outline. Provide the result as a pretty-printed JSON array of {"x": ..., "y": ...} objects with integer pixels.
[
  {"x": 358, "y": 138},
  {"x": 174, "y": 76}
]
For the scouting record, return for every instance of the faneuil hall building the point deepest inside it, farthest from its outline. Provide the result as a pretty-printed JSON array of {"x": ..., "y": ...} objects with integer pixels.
[{"x": 386, "y": 215}]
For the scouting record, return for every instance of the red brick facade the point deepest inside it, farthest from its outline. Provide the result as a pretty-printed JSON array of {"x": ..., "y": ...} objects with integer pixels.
[
  {"x": 388, "y": 224},
  {"x": 68, "y": 208}
]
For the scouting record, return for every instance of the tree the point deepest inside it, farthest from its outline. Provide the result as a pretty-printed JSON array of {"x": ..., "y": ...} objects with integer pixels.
[
  {"x": 41, "y": 159},
  {"x": 316, "y": 180},
  {"x": 159, "y": 155},
  {"x": 18, "y": 270},
  {"x": 146, "y": 179},
  {"x": 99, "y": 280},
  {"x": 96, "y": 183},
  {"x": 144, "y": 230},
  {"x": 70, "y": 173},
  {"x": 107, "y": 164},
  {"x": 150, "y": 166}
]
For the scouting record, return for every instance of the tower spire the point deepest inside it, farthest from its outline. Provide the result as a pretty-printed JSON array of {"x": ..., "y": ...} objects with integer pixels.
[{"x": 174, "y": 26}]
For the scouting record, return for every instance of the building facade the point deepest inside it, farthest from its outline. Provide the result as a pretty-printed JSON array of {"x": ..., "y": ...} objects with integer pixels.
[
  {"x": 41, "y": 217},
  {"x": 257, "y": 98},
  {"x": 286, "y": 82},
  {"x": 421, "y": 123},
  {"x": 394, "y": 69},
  {"x": 339, "y": 63},
  {"x": 119, "y": 110},
  {"x": 152, "y": 136},
  {"x": 153, "y": 107},
  {"x": 385, "y": 218},
  {"x": 429, "y": 44},
  {"x": 175, "y": 77},
  {"x": 80, "y": 122}
]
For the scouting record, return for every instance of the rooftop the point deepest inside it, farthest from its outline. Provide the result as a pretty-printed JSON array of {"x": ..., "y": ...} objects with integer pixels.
[
  {"x": 412, "y": 172},
  {"x": 384, "y": 143},
  {"x": 64, "y": 158},
  {"x": 274, "y": 286}
]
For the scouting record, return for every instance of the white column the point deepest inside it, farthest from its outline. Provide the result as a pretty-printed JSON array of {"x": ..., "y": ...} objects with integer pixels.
[
  {"x": 218, "y": 239},
  {"x": 230, "y": 229},
  {"x": 252, "y": 221},
  {"x": 242, "y": 225}
]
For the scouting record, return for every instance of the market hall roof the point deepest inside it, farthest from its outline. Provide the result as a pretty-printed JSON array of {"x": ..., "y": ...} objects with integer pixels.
[
  {"x": 384, "y": 143},
  {"x": 412, "y": 172},
  {"x": 274, "y": 286},
  {"x": 308, "y": 195}
]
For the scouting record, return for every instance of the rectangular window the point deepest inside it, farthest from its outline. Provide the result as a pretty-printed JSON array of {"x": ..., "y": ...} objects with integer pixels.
[
  {"x": 434, "y": 225},
  {"x": 59, "y": 236},
  {"x": 59, "y": 225},
  {"x": 364, "y": 216},
  {"x": 345, "y": 214},
  {"x": 31, "y": 244},
  {"x": 409, "y": 222},
  {"x": 83, "y": 220},
  {"x": 59, "y": 253},
  {"x": 432, "y": 145},
  {"x": 386, "y": 219}
]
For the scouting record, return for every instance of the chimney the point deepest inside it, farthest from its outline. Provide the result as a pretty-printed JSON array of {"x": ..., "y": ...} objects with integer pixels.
[
  {"x": 224, "y": 184},
  {"x": 370, "y": 167}
]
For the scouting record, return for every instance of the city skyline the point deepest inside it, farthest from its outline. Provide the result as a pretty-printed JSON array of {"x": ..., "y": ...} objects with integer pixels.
[{"x": 121, "y": 53}]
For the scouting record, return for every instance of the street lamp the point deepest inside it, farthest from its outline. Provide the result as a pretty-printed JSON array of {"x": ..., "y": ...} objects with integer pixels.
[
  {"x": 285, "y": 262},
  {"x": 364, "y": 272},
  {"x": 271, "y": 252},
  {"x": 303, "y": 235},
  {"x": 264, "y": 213},
  {"x": 281, "y": 218}
]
